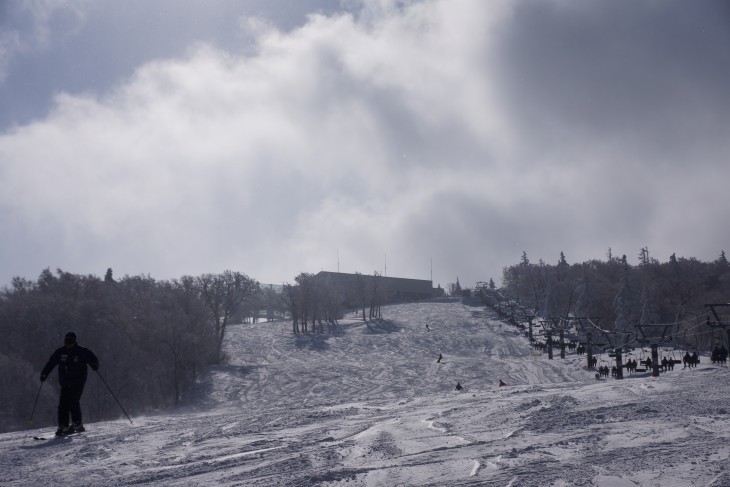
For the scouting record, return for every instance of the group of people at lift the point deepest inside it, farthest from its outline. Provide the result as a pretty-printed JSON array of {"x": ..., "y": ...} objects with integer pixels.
[
  {"x": 719, "y": 355},
  {"x": 632, "y": 365},
  {"x": 666, "y": 364},
  {"x": 690, "y": 360}
]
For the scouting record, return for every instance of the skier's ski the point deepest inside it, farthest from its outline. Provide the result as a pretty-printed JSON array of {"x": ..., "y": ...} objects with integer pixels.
[{"x": 60, "y": 437}]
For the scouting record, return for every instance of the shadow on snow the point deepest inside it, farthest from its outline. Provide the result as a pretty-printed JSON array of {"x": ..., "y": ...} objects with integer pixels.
[{"x": 382, "y": 326}]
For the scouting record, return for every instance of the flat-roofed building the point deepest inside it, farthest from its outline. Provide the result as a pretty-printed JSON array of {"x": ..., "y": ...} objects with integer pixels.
[{"x": 393, "y": 289}]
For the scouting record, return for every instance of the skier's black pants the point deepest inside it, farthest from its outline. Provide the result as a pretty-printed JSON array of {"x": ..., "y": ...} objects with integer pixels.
[{"x": 69, "y": 404}]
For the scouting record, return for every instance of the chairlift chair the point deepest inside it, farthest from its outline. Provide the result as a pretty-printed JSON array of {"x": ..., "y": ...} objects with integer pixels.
[{"x": 641, "y": 366}]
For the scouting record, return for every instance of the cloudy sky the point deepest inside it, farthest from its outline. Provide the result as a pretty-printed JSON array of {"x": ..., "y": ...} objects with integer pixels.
[{"x": 273, "y": 137}]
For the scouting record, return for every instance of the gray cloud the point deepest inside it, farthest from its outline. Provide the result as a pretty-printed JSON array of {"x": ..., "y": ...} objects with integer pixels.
[
  {"x": 648, "y": 74},
  {"x": 463, "y": 132}
]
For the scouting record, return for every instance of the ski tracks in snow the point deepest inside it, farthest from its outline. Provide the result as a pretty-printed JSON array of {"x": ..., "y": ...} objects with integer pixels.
[{"x": 369, "y": 406}]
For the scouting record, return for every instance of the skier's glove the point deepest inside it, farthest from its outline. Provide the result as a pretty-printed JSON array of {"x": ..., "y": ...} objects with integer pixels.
[
  {"x": 94, "y": 366},
  {"x": 43, "y": 377}
]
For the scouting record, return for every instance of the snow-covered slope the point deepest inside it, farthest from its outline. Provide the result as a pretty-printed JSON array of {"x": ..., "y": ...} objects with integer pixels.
[{"x": 370, "y": 406}]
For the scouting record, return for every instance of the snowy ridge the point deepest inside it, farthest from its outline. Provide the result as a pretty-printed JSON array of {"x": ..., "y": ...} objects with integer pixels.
[{"x": 371, "y": 407}]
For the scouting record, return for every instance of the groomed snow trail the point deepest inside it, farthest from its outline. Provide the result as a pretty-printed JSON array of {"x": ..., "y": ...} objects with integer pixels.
[
  {"x": 369, "y": 406},
  {"x": 394, "y": 358}
]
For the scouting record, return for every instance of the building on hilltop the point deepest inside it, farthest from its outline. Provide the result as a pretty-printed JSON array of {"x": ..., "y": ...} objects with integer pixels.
[{"x": 393, "y": 289}]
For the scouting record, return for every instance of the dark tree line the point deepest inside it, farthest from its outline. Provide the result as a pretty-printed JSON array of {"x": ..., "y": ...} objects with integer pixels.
[
  {"x": 153, "y": 338},
  {"x": 624, "y": 295}
]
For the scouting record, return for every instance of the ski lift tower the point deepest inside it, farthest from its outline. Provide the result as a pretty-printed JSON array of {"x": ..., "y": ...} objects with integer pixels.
[
  {"x": 619, "y": 341},
  {"x": 551, "y": 326},
  {"x": 587, "y": 325},
  {"x": 613, "y": 341},
  {"x": 502, "y": 304},
  {"x": 654, "y": 334},
  {"x": 718, "y": 323},
  {"x": 572, "y": 325},
  {"x": 528, "y": 315}
]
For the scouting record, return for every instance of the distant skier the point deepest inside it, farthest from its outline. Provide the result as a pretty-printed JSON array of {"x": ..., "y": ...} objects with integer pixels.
[
  {"x": 428, "y": 328},
  {"x": 72, "y": 360},
  {"x": 439, "y": 360},
  {"x": 458, "y": 386},
  {"x": 502, "y": 383}
]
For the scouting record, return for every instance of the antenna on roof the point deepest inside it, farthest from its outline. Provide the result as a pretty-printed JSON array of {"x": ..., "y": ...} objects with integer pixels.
[
  {"x": 338, "y": 261},
  {"x": 386, "y": 265}
]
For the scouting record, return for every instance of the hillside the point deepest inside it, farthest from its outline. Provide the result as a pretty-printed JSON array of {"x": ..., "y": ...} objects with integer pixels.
[{"x": 370, "y": 406}]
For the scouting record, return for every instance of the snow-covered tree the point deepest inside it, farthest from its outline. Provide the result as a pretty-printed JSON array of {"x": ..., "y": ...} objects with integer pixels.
[
  {"x": 622, "y": 305},
  {"x": 223, "y": 294}
]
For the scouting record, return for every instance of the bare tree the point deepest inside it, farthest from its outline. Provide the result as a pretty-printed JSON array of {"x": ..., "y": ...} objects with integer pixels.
[
  {"x": 333, "y": 298},
  {"x": 290, "y": 295},
  {"x": 223, "y": 294},
  {"x": 307, "y": 300},
  {"x": 361, "y": 292},
  {"x": 376, "y": 296}
]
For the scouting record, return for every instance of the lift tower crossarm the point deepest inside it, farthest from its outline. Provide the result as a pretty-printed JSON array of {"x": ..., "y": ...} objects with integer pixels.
[
  {"x": 712, "y": 307},
  {"x": 725, "y": 325}
]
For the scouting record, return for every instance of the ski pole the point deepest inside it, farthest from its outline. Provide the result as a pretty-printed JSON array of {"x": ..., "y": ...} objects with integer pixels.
[
  {"x": 115, "y": 397},
  {"x": 30, "y": 420}
]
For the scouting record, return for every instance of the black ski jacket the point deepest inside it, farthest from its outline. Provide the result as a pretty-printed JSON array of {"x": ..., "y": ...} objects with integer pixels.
[{"x": 71, "y": 363}]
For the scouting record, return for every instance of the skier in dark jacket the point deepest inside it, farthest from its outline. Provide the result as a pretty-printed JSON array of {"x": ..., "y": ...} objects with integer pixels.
[{"x": 72, "y": 360}]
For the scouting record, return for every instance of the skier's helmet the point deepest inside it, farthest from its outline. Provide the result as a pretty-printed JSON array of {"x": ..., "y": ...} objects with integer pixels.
[{"x": 70, "y": 338}]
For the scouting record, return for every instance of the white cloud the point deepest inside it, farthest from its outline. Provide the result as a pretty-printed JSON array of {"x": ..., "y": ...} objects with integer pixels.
[
  {"x": 384, "y": 132},
  {"x": 192, "y": 151}
]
